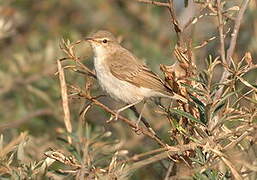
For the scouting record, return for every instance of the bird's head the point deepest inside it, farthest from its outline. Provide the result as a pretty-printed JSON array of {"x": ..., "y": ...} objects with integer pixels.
[{"x": 102, "y": 42}]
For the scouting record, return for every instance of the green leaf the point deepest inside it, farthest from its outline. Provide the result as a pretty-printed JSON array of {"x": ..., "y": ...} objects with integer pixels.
[
  {"x": 187, "y": 115},
  {"x": 203, "y": 78},
  {"x": 220, "y": 105},
  {"x": 201, "y": 109},
  {"x": 197, "y": 101}
]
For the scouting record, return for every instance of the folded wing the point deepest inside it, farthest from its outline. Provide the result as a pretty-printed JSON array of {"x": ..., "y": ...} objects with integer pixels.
[{"x": 127, "y": 68}]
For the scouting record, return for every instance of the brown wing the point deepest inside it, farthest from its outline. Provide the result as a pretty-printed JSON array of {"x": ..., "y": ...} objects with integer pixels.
[{"x": 126, "y": 67}]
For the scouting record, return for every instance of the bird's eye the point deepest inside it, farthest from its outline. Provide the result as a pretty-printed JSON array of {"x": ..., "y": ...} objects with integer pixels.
[{"x": 105, "y": 41}]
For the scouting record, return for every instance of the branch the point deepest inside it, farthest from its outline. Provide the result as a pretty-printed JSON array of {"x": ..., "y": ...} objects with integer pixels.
[
  {"x": 162, "y": 4},
  {"x": 234, "y": 34},
  {"x": 231, "y": 48},
  {"x": 68, "y": 47},
  {"x": 170, "y": 151},
  {"x": 147, "y": 132},
  {"x": 170, "y": 7},
  {"x": 12, "y": 145},
  {"x": 125, "y": 120},
  {"x": 174, "y": 18},
  {"x": 65, "y": 102},
  {"x": 221, "y": 33},
  {"x": 130, "y": 123}
]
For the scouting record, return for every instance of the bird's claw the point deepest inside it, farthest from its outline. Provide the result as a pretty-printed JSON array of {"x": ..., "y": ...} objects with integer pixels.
[
  {"x": 117, "y": 116},
  {"x": 137, "y": 130},
  {"x": 110, "y": 119},
  {"x": 113, "y": 117},
  {"x": 137, "y": 124}
]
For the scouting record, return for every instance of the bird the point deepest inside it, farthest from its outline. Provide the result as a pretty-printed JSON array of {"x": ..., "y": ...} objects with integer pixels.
[{"x": 123, "y": 76}]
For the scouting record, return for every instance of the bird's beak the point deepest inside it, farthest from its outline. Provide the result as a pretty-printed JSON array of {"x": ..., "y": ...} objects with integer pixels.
[{"x": 89, "y": 39}]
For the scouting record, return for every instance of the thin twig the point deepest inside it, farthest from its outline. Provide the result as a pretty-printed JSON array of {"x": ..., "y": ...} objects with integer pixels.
[
  {"x": 137, "y": 157},
  {"x": 231, "y": 48},
  {"x": 221, "y": 33},
  {"x": 171, "y": 9},
  {"x": 12, "y": 145},
  {"x": 172, "y": 150},
  {"x": 68, "y": 49},
  {"x": 130, "y": 123},
  {"x": 234, "y": 34},
  {"x": 206, "y": 42},
  {"x": 232, "y": 168},
  {"x": 195, "y": 19},
  {"x": 167, "y": 176},
  {"x": 174, "y": 19},
  {"x": 162, "y": 4},
  {"x": 240, "y": 138},
  {"x": 65, "y": 102},
  {"x": 125, "y": 120}
]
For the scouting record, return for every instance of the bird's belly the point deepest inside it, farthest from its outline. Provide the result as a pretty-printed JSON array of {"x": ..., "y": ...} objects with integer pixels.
[{"x": 118, "y": 89}]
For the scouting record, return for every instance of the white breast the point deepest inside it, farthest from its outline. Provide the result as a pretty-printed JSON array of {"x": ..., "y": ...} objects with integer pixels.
[{"x": 116, "y": 88}]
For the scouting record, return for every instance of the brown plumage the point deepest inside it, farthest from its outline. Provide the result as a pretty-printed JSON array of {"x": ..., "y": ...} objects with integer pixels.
[
  {"x": 128, "y": 68},
  {"x": 122, "y": 75}
]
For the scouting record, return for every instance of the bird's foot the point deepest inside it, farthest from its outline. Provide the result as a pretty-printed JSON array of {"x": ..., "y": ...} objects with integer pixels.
[
  {"x": 136, "y": 128},
  {"x": 114, "y": 117},
  {"x": 110, "y": 119},
  {"x": 117, "y": 115}
]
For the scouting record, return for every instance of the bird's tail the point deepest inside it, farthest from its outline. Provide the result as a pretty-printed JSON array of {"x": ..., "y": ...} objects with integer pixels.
[{"x": 178, "y": 97}]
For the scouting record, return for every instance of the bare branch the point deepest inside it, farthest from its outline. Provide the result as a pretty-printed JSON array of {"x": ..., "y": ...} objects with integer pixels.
[
  {"x": 169, "y": 171},
  {"x": 162, "y": 4},
  {"x": 171, "y": 9},
  {"x": 231, "y": 48},
  {"x": 68, "y": 49},
  {"x": 174, "y": 18},
  {"x": 205, "y": 42},
  {"x": 125, "y": 120},
  {"x": 234, "y": 34},
  {"x": 65, "y": 102},
  {"x": 221, "y": 33},
  {"x": 12, "y": 145}
]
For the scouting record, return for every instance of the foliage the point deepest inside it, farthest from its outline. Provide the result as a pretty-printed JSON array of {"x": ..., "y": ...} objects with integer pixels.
[{"x": 61, "y": 130}]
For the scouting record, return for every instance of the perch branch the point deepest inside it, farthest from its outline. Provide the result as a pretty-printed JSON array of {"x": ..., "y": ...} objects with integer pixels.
[
  {"x": 68, "y": 48},
  {"x": 123, "y": 119}
]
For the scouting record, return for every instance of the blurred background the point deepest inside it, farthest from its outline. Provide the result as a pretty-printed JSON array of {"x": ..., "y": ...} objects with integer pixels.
[{"x": 30, "y": 34}]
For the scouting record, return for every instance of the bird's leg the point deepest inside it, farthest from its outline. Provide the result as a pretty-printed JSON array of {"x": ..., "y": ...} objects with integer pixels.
[
  {"x": 140, "y": 115},
  {"x": 124, "y": 108},
  {"x": 120, "y": 110}
]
